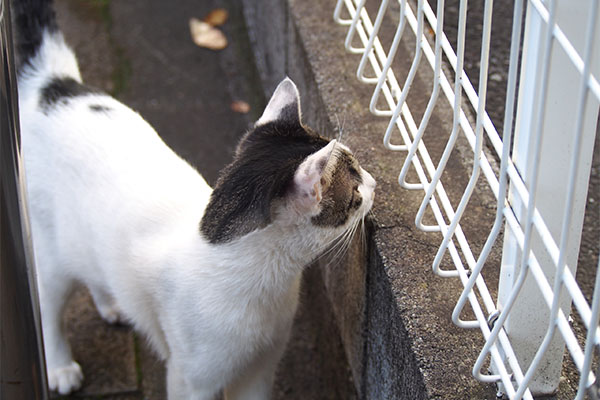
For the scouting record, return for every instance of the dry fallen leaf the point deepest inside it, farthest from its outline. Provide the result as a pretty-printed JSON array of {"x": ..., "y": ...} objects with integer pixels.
[
  {"x": 205, "y": 35},
  {"x": 216, "y": 17},
  {"x": 240, "y": 106}
]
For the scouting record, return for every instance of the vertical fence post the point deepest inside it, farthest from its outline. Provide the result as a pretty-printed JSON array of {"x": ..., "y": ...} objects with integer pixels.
[
  {"x": 22, "y": 367},
  {"x": 552, "y": 111}
]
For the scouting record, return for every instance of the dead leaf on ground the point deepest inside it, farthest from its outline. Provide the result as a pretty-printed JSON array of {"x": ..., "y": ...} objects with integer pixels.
[
  {"x": 240, "y": 106},
  {"x": 205, "y": 35},
  {"x": 216, "y": 17}
]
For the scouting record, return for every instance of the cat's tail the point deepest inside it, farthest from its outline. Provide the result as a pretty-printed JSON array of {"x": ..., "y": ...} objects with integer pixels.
[{"x": 40, "y": 47}]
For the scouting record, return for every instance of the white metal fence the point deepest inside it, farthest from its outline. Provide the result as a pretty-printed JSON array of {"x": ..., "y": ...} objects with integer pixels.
[{"x": 548, "y": 133}]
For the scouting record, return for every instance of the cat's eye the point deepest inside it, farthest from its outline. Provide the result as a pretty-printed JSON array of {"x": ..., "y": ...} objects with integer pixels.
[
  {"x": 351, "y": 202},
  {"x": 355, "y": 199},
  {"x": 354, "y": 172}
]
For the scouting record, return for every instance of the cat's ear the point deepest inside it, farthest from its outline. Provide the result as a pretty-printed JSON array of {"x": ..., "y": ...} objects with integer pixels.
[
  {"x": 284, "y": 104},
  {"x": 309, "y": 180}
]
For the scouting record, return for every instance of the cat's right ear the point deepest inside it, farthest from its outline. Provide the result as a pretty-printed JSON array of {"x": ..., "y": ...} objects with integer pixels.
[
  {"x": 309, "y": 181},
  {"x": 283, "y": 106}
]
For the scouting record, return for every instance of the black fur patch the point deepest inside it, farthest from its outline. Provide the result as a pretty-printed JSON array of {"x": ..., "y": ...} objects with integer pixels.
[
  {"x": 31, "y": 19},
  {"x": 99, "y": 108},
  {"x": 290, "y": 113},
  {"x": 60, "y": 89},
  {"x": 342, "y": 198},
  {"x": 261, "y": 172}
]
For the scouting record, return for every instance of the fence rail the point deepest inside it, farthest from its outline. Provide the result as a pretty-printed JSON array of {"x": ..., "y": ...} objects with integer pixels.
[
  {"x": 22, "y": 364},
  {"x": 552, "y": 76}
]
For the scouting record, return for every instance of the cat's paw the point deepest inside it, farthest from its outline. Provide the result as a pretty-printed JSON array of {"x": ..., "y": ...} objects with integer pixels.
[
  {"x": 111, "y": 314},
  {"x": 65, "y": 380}
]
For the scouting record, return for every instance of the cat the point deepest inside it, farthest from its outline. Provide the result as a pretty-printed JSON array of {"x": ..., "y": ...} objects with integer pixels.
[{"x": 211, "y": 277}]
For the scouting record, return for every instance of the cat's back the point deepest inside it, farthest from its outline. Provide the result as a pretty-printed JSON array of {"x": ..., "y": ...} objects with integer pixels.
[
  {"x": 97, "y": 172},
  {"x": 92, "y": 155}
]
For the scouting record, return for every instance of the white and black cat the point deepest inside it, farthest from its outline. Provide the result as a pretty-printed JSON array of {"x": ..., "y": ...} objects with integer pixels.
[{"x": 209, "y": 276}]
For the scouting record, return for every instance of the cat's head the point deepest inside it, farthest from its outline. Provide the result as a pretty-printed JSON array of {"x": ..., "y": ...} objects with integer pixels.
[{"x": 284, "y": 173}]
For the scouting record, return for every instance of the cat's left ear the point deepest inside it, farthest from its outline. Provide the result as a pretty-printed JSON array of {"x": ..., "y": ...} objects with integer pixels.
[
  {"x": 284, "y": 104},
  {"x": 308, "y": 180}
]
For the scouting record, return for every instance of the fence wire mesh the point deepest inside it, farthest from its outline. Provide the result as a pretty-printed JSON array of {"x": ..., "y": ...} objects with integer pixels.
[{"x": 398, "y": 40}]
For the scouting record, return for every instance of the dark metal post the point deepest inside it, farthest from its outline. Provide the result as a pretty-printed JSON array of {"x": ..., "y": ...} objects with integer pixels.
[{"x": 22, "y": 365}]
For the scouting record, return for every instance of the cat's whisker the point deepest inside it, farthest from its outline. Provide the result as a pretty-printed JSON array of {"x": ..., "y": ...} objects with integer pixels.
[
  {"x": 325, "y": 248},
  {"x": 341, "y": 128},
  {"x": 343, "y": 244},
  {"x": 363, "y": 234},
  {"x": 333, "y": 244},
  {"x": 346, "y": 244},
  {"x": 329, "y": 246}
]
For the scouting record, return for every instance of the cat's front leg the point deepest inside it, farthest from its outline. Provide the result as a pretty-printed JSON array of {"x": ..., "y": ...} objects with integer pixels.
[
  {"x": 106, "y": 305},
  {"x": 256, "y": 382},
  {"x": 64, "y": 374},
  {"x": 182, "y": 385}
]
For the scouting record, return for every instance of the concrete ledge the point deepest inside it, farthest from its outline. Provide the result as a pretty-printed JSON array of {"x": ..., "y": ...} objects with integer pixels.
[{"x": 393, "y": 313}]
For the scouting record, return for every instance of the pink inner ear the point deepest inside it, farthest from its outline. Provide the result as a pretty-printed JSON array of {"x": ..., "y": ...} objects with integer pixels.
[
  {"x": 307, "y": 193},
  {"x": 307, "y": 180},
  {"x": 317, "y": 191}
]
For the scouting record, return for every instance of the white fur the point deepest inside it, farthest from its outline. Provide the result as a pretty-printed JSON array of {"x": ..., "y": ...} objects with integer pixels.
[
  {"x": 112, "y": 206},
  {"x": 307, "y": 179},
  {"x": 285, "y": 94}
]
